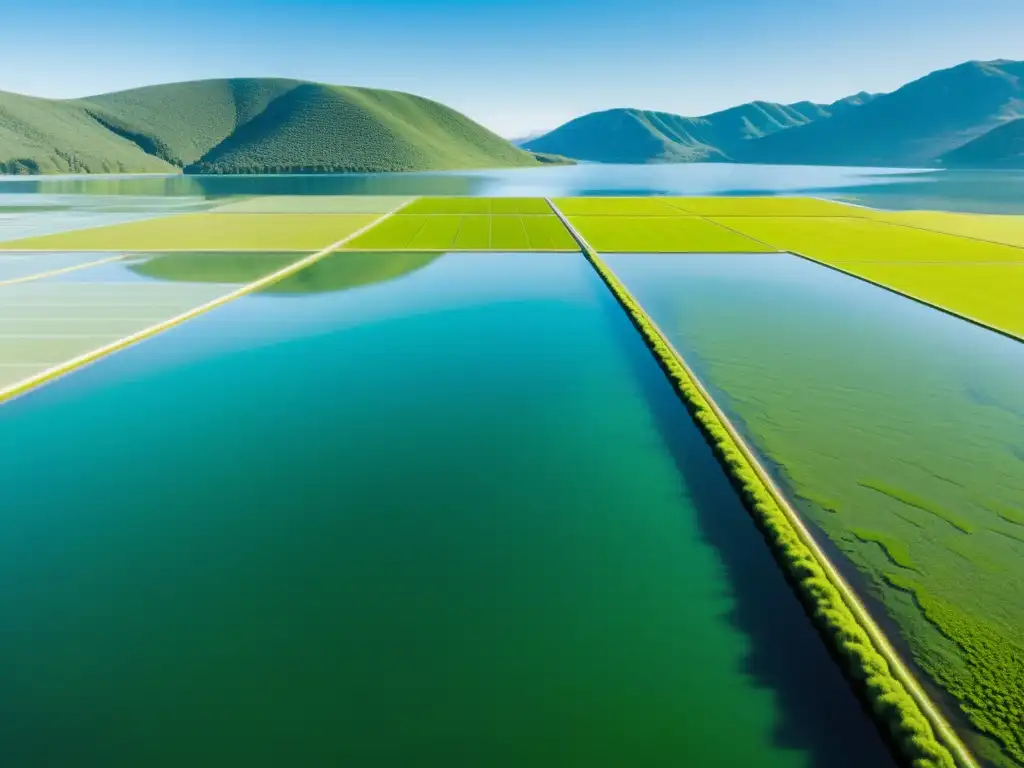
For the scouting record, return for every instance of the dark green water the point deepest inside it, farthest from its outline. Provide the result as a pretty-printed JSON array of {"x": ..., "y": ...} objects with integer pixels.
[
  {"x": 452, "y": 518},
  {"x": 898, "y": 429}
]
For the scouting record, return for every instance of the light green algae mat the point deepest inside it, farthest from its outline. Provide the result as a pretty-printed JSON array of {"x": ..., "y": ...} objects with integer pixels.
[
  {"x": 897, "y": 429},
  {"x": 207, "y": 231},
  {"x": 443, "y": 232},
  {"x": 660, "y": 234}
]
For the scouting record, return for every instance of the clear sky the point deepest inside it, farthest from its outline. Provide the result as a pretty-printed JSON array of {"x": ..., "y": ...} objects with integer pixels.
[{"x": 518, "y": 66}]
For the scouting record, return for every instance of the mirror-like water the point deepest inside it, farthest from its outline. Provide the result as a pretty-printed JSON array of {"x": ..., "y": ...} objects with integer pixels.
[
  {"x": 451, "y": 515},
  {"x": 977, "y": 191}
]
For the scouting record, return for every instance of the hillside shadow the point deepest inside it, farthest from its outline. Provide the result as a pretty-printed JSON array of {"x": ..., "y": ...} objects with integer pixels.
[
  {"x": 341, "y": 271},
  {"x": 816, "y": 710}
]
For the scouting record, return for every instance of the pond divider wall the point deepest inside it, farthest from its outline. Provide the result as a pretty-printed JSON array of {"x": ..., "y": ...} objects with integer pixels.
[
  {"x": 899, "y": 703},
  {"x": 955, "y": 313},
  {"x": 61, "y": 270},
  {"x": 55, "y": 372}
]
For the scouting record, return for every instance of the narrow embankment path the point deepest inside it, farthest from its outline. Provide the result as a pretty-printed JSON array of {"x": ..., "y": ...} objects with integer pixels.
[
  {"x": 67, "y": 366},
  {"x": 914, "y": 293},
  {"x": 900, "y": 703},
  {"x": 60, "y": 270}
]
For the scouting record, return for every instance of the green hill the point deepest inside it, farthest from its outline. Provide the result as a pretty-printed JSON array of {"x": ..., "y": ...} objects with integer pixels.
[
  {"x": 244, "y": 126},
  {"x": 42, "y": 136},
  {"x": 641, "y": 136},
  {"x": 1002, "y": 147}
]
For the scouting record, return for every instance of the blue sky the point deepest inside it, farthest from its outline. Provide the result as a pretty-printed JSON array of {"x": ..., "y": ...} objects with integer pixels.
[{"x": 514, "y": 66}]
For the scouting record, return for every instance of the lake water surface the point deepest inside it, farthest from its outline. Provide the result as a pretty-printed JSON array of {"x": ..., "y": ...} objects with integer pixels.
[
  {"x": 453, "y": 517},
  {"x": 978, "y": 191}
]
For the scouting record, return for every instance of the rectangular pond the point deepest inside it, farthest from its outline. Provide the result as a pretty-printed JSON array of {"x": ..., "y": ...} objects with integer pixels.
[
  {"x": 897, "y": 429},
  {"x": 400, "y": 509},
  {"x": 52, "y": 319}
]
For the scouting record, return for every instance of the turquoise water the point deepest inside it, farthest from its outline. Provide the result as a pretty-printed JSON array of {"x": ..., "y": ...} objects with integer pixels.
[
  {"x": 898, "y": 429},
  {"x": 453, "y": 517}
]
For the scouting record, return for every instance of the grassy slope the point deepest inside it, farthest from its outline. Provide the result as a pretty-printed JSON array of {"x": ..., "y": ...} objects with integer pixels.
[
  {"x": 183, "y": 121},
  {"x": 1002, "y": 147},
  {"x": 43, "y": 136},
  {"x": 913, "y": 126},
  {"x": 244, "y": 126},
  {"x": 322, "y": 127}
]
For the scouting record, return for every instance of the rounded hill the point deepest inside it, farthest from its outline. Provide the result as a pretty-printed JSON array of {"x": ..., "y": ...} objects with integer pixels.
[{"x": 244, "y": 125}]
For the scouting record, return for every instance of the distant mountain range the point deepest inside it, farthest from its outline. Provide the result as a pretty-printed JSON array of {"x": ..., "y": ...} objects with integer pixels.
[
  {"x": 966, "y": 115},
  {"x": 261, "y": 125},
  {"x": 971, "y": 115}
]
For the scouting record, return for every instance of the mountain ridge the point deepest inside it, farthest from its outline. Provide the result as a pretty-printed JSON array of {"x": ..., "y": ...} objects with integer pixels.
[
  {"x": 917, "y": 125},
  {"x": 667, "y": 137}
]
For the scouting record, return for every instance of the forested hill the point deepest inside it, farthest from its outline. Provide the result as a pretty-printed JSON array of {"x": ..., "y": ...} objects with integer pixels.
[{"x": 245, "y": 125}]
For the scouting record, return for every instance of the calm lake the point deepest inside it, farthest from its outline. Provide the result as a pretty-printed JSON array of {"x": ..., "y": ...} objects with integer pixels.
[
  {"x": 978, "y": 191},
  {"x": 450, "y": 516}
]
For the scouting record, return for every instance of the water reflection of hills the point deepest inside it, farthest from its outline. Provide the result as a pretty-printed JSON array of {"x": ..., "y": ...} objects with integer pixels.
[
  {"x": 230, "y": 186},
  {"x": 338, "y": 272}
]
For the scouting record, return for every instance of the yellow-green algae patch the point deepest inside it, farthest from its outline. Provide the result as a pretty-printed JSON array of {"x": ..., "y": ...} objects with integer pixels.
[
  {"x": 658, "y": 234},
  {"x": 207, "y": 232},
  {"x": 766, "y": 206},
  {"x": 474, "y": 231},
  {"x": 996, "y": 228}
]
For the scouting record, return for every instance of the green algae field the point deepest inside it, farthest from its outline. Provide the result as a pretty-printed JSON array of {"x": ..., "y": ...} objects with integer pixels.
[
  {"x": 364, "y": 384},
  {"x": 469, "y": 224},
  {"x": 206, "y": 232},
  {"x": 897, "y": 431},
  {"x": 972, "y": 266}
]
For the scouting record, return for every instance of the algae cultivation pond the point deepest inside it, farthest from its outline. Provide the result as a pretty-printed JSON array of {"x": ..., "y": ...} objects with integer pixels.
[
  {"x": 453, "y": 516},
  {"x": 898, "y": 430}
]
